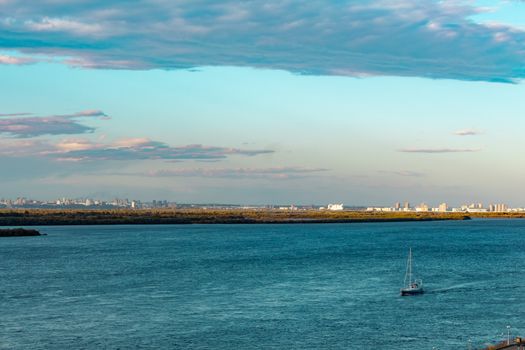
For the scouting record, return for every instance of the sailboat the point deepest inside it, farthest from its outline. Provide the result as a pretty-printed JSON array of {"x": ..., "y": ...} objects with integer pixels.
[{"x": 411, "y": 286}]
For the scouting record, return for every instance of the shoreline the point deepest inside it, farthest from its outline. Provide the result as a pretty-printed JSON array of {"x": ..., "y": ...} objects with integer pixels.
[{"x": 59, "y": 217}]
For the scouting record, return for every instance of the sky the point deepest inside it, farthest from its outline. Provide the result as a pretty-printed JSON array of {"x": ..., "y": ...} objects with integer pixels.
[{"x": 263, "y": 102}]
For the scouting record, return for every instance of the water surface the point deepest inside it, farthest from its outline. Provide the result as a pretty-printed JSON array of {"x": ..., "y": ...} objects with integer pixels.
[{"x": 302, "y": 286}]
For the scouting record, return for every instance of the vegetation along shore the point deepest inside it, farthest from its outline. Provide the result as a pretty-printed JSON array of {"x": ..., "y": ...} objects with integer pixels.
[{"x": 14, "y": 217}]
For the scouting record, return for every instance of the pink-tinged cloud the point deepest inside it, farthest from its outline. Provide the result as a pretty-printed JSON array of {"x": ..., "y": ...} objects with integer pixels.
[
  {"x": 16, "y": 61},
  {"x": 69, "y": 145},
  {"x": 77, "y": 149},
  {"x": 132, "y": 142}
]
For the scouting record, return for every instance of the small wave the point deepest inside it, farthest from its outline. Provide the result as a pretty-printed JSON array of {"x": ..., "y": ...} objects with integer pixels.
[{"x": 455, "y": 287}]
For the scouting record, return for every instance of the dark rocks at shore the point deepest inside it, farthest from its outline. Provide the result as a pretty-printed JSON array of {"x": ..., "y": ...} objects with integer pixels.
[{"x": 18, "y": 232}]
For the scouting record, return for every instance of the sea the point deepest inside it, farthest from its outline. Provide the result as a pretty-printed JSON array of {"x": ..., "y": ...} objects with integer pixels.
[{"x": 288, "y": 286}]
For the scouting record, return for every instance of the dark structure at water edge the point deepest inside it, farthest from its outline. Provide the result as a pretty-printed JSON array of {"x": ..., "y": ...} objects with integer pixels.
[{"x": 18, "y": 232}]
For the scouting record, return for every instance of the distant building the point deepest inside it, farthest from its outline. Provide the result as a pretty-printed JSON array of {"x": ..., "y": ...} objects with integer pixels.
[
  {"x": 422, "y": 207},
  {"x": 335, "y": 207},
  {"x": 443, "y": 207},
  {"x": 476, "y": 210},
  {"x": 397, "y": 206},
  {"x": 291, "y": 207},
  {"x": 498, "y": 208}
]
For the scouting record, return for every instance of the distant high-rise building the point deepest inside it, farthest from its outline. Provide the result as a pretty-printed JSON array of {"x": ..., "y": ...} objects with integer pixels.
[
  {"x": 397, "y": 205},
  {"x": 406, "y": 206},
  {"x": 498, "y": 207},
  {"x": 422, "y": 207},
  {"x": 501, "y": 207},
  {"x": 443, "y": 207}
]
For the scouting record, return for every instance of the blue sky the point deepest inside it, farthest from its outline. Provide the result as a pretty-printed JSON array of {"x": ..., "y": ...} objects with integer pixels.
[{"x": 361, "y": 102}]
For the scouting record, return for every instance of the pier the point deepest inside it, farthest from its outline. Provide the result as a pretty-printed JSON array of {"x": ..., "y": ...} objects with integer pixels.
[{"x": 517, "y": 343}]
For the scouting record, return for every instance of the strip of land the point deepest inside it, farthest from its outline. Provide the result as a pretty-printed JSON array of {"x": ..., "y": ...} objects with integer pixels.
[{"x": 40, "y": 217}]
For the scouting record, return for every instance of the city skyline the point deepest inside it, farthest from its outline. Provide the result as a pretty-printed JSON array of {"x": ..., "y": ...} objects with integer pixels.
[
  {"x": 263, "y": 103},
  {"x": 137, "y": 203}
]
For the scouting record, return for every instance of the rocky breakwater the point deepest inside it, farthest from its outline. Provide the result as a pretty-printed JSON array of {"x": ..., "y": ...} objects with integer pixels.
[{"x": 18, "y": 232}]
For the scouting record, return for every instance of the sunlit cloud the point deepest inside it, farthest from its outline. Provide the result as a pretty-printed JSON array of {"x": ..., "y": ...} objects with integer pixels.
[
  {"x": 423, "y": 38},
  {"x": 136, "y": 149},
  {"x": 15, "y": 61}
]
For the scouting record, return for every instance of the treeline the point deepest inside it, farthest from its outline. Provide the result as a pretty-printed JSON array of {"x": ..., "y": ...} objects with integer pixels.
[
  {"x": 29, "y": 217},
  {"x": 498, "y": 215}
]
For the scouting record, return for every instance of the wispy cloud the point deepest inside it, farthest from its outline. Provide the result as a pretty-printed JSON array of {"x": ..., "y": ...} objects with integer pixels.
[
  {"x": 18, "y": 125},
  {"x": 407, "y": 173},
  {"x": 25, "y": 148},
  {"x": 271, "y": 173},
  {"x": 144, "y": 149},
  {"x": 77, "y": 150},
  {"x": 363, "y": 38},
  {"x": 467, "y": 132},
  {"x": 47, "y": 24},
  {"x": 14, "y": 114},
  {"x": 439, "y": 150}
]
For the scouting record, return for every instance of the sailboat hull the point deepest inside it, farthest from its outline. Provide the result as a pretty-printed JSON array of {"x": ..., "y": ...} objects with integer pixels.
[{"x": 411, "y": 291}]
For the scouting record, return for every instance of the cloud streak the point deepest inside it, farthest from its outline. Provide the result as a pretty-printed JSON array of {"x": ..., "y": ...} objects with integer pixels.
[
  {"x": 424, "y": 38},
  {"x": 406, "y": 173},
  {"x": 155, "y": 150},
  {"x": 13, "y": 114},
  {"x": 18, "y": 125},
  {"x": 439, "y": 150},
  {"x": 270, "y": 173},
  {"x": 77, "y": 150},
  {"x": 467, "y": 132}
]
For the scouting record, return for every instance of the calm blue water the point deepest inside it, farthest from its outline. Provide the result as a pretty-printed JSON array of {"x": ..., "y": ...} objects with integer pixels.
[{"x": 330, "y": 286}]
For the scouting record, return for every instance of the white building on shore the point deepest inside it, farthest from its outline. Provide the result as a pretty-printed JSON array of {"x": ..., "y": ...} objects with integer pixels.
[{"x": 335, "y": 207}]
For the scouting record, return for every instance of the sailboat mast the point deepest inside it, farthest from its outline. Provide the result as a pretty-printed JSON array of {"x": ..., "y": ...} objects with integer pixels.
[
  {"x": 406, "y": 282},
  {"x": 410, "y": 266}
]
